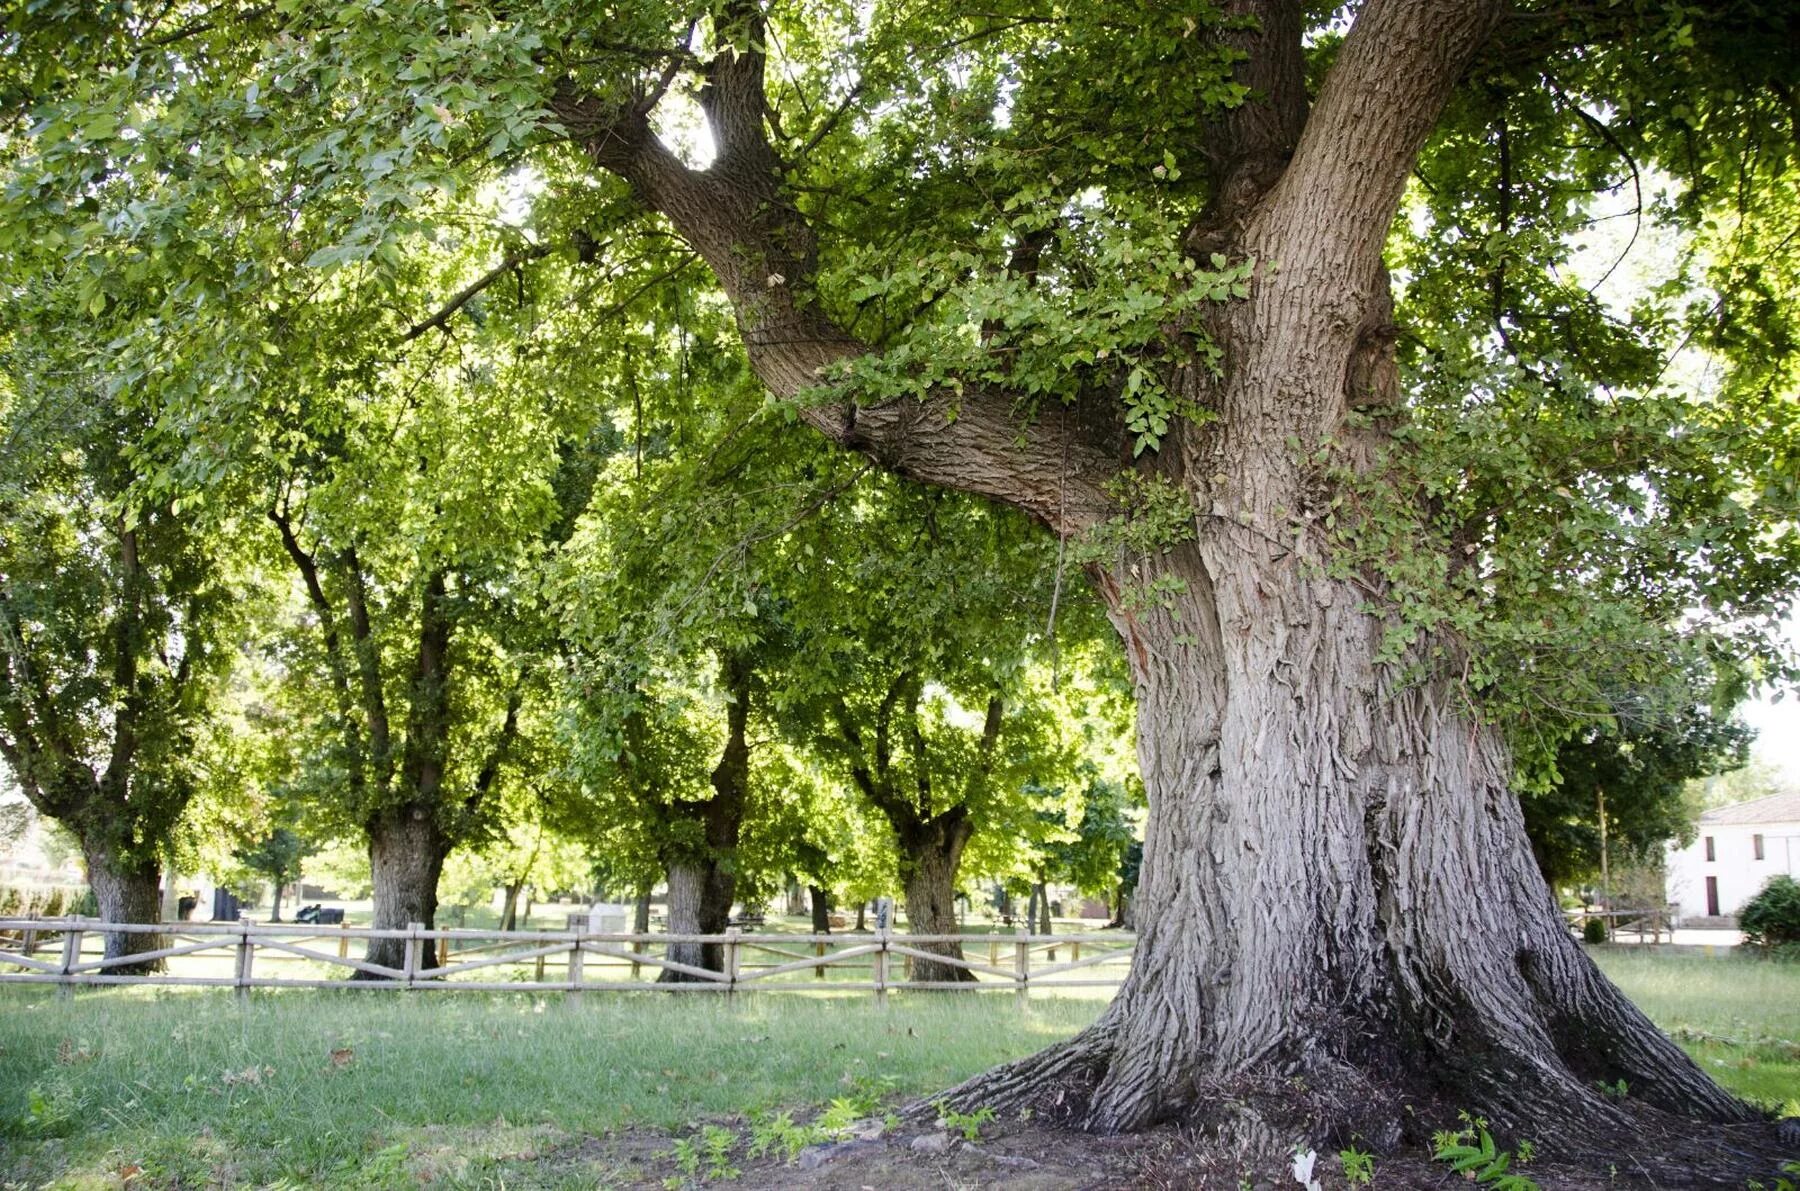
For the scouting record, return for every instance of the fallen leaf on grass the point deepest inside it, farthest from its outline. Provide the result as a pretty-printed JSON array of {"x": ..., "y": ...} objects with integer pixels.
[
  {"x": 342, "y": 1057},
  {"x": 129, "y": 1171}
]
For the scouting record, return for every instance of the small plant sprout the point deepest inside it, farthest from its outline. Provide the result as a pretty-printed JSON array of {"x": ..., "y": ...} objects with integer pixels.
[
  {"x": 1471, "y": 1152},
  {"x": 966, "y": 1123},
  {"x": 719, "y": 1142},
  {"x": 1358, "y": 1166}
]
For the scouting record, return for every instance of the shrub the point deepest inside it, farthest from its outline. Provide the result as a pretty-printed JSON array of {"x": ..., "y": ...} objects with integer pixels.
[
  {"x": 1772, "y": 917},
  {"x": 1593, "y": 931}
]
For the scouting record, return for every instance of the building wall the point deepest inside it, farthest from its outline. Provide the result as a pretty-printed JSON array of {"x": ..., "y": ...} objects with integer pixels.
[{"x": 1740, "y": 875}]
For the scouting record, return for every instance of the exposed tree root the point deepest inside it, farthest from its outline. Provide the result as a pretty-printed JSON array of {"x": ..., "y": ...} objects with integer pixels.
[{"x": 1259, "y": 1118}]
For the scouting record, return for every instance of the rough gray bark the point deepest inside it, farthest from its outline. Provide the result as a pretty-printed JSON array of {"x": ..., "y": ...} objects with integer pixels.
[
  {"x": 406, "y": 857},
  {"x": 127, "y": 890},
  {"x": 821, "y": 909},
  {"x": 1339, "y": 913},
  {"x": 700, "y": 894},
  {"x": 930, "y": 854}
]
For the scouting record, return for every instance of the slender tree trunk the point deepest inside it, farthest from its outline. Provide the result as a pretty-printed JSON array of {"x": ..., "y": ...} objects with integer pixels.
[
  {"x": 1119, "y": 907},
  {"x": 509, "y": 909},
  {"x": 862, "y": 916},
  {"x": 821, "y": 910},
  {"x": 127, "y": 891},
  {"x": 640, "y": 922},
  {"x": 406, "y": 857},
  {"x": 931, "y": 852},
  {"x": 275, "y": 903},
  {"x": 1043, "y": 901},
  {"x": 701, "y": 886}
]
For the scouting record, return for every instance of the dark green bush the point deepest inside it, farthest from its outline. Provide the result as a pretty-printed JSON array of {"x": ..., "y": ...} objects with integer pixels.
[
  {"x": 1772, "y": 917},
  {"x": 1593, "y": 931}
]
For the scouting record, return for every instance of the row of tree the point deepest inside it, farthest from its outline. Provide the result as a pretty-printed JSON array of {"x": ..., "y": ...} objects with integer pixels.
[{"x": 422, "y": 604}]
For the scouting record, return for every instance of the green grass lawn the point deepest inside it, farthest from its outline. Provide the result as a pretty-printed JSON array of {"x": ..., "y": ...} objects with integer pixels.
[
  {"x": 371, "y": 1089},
  {"x": 1737, "y": 1015},
  {"x": 309, "y": 1087}
]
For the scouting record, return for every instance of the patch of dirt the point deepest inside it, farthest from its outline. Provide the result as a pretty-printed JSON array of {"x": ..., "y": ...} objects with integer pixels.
[{"x": 1021, "y": 1156}]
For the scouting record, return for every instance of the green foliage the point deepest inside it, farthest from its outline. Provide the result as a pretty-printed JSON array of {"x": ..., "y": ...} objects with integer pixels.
[
  {"x": 1097, "y": 321},
  {"x": 1772, "y": 918},
  {"x": 966, "y": 1123},
  {"x": 1358, "y": 1166},
  {"x": 1637, "y": 765},
  {"x": 1593, "y": 931},
  {"x": 1471, "y": 1152},
  {"x": 117, "y": 613},
  {"x": 711, "y": 1150}
]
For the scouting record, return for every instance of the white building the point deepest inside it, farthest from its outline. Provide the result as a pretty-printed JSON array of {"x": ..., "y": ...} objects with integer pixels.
[{"x": 1736, "y": 851}]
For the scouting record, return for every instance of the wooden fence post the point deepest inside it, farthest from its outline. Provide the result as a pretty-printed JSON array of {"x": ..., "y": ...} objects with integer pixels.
[
  {"x": 819, "y": 950},
  {"x": 576, "y": 965},
  {"x": 415, "y": 948},
  {"x": 993, "y": 951},
  {"x": 732, "y": 959},
  {"x": 246, "y": 952},
  {"x": 71, "y": 955},
  {"x": 344, "y": 940},
  {"x": 539, "y": 977},
  {"x": 29, "y": 945},
  {"x": 1022, "y": 968},
  {"x": 881, "y": 966}
]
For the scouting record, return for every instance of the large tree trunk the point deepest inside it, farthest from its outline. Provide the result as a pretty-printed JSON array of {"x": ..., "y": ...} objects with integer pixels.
[
  {"x": 127, "y": 891},
  {"x": 275, "y": 903},
  {"x": 1337, "y": 892},
  {"x": 930, "y": 853},
  {"x": 406, "y": 856},
  {"x": 700, "y": 895},
  {"x": 821, "y": 910}
]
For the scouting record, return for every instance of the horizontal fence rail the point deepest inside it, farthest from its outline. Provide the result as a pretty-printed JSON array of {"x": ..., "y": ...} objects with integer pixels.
[{"x": 70, "y": 953}]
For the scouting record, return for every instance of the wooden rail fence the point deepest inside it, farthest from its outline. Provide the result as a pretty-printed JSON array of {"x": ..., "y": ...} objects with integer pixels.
[{"x": 69, "y": 953}]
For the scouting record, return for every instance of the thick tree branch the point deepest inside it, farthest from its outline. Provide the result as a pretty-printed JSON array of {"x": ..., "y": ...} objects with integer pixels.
[
  {"x": 1248, "y": 146},
  {"x": 762, "y": 250},
  {"x": 428, "y": 710},
  {"x": 1320, "y": 231},
  {"x": 368, "y": 665},
  {"x": 127, "y": 629},
  {"x": 489, "y": 773},
  {"x": 733, "y": 98},
  {"x": 308, "y": 567}
]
